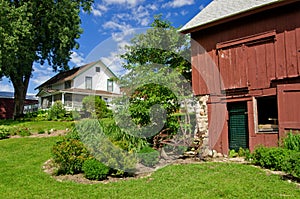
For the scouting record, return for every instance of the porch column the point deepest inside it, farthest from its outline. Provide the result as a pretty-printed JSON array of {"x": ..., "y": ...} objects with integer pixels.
[
  {"x": 63, "y": 99},
  {"x": 52, "y": 100}
]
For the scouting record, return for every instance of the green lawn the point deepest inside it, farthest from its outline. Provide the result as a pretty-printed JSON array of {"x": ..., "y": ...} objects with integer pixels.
[
  {"x": 36, "y": 126},
  {"x": 21, "y": 176}
]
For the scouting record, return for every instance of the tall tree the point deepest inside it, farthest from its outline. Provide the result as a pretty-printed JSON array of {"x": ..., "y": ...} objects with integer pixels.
[
  {"x": 36, "y": 31},
  {"x": 158, "y": 79}
]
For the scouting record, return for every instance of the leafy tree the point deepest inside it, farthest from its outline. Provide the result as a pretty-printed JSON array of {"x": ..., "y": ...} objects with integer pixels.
[
  {"x": 157, "y": 81},
  {"x": 36, "y": 31}
]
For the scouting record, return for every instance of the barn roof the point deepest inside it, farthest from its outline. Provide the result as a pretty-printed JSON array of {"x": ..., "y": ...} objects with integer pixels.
[{"x": 221, "y": 9}]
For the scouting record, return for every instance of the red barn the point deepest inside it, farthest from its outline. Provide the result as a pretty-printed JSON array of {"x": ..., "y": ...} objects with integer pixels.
[
  {"x": 246, "y": 71},
  {"x": 7, "y": 105}
]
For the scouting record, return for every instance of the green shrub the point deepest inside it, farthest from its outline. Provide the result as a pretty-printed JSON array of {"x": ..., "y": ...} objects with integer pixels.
[
  {"x": 233, "y": 153},
  {"x": 292, "y": 141},
  {"x": 291, "y": 164},
  {"x": 41, "y": 131},
  {"x": 148, "y": 156},
  {"x": 95, "y": 170},
  {"x": 4, "y": 132},
  {"x": 69, "y": 154},
  {"x": 23, "y": 131},
  {"x": 270, "y": 158},
  {"x": 103, "y": 149},
  {"x": 57, "y": 111},
  {"x": 95, "y": 107}
]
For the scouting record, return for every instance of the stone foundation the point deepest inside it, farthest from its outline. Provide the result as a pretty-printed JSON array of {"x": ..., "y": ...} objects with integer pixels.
[{"x": 201, "y": 130}]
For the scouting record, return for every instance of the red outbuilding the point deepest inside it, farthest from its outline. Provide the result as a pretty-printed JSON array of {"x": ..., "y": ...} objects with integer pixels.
[{"x": 246, "y": 71}]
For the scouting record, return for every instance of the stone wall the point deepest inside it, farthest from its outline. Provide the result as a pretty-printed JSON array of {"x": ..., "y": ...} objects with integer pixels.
[{"x": 201, "y": 130}]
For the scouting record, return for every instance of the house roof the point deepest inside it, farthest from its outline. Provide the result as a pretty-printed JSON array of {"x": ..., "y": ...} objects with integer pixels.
[
  {"x": 71, "y": 74},
  {"x": 218, "y": 10}
]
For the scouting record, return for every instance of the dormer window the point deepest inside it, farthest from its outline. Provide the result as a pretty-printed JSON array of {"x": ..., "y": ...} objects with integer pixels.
[
  {"x": 67, "y": 84},
  {"x": 88, "y": 83},
  {"x": 110, "y": 85}
]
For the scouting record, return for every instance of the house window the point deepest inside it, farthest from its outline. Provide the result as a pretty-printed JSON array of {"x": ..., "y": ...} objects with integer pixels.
[
  {"x": 97, "y": 69},
  {"x": 267, "y": 114},
  {"x": 67, "y": 84},
  {"x": 88, "y": 83},
  {"x": 110, "y": 85}
]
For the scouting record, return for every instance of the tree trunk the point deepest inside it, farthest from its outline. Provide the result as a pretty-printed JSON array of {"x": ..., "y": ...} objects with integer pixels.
[{"x": 20, "y": 85}]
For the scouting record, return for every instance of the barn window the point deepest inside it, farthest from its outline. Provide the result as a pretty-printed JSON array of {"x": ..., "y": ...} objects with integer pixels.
[
  {"x": 267, "y": 114},
  {"x": 97, "y": 69}
]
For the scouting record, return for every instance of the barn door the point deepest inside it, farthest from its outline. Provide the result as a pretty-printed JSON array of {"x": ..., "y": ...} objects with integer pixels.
[
  {"x": 288, "y": 107},
  {"x": 238, "y": 125}
]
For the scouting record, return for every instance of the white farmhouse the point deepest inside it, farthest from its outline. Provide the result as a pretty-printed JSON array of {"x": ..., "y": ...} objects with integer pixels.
[{"x": 71, "y": 86}]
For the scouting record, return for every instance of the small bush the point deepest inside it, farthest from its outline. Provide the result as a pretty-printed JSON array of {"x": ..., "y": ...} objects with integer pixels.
[
  {"x": 103, "y": 149},
  {"x": 95, "y": 170},
  {"x": 24, "y": 132},
  {"x": 148, "y": 156},
  {"x": 291, "y": 164},
  {"x": 69, "y": 154},
  {"x": 292, "y": 141},
  {"x": 270, "y": 158},
  {"x": 41, "y": 131},
  {"x": 233, "y": 153},
  {"x": 57, "y": 111},
  {"x": 4, "y": 132}
]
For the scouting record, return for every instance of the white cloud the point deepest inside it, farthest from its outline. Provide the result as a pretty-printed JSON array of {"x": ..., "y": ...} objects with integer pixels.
[
  {"x": 131, "y": 3},
  {"x": 6, "y": 87},
  {"x": 141, "y": 15},
  {"x": 98, "y": 10},
  {"x": 40, "y": 79},
  {"x": 77, "y": 59},
  {"x": 179, "y": 3},
  {"x": 102, "y": 7},
  {"x": 96, "y": 13},
  {"x": 183, "y": 12},
  {"x": 152, "y": 7}
]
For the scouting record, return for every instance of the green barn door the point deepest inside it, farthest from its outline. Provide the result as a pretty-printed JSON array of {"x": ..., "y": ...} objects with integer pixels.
[{"x": 238, "y": 125}]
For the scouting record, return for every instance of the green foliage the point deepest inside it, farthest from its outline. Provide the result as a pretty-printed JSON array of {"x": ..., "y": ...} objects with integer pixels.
[
  {"x": 148, "y": 156},
  {"x": 291, "y": 164},
  {"x": 4, "y": 132},
  {"x": 69, "y": 154},
  {"x": 95, "y": 170},
  {"x": 23, "y": 131},
  {"x": 233, "y": 153},
  {"x": 158, "y": 80},
  {"x": 270, "y": 158},
  {"x": 160, "y": 45},
  {"x": 95, "y": 107},
  {"x": 120, "y": 138},
  {"x": 37, "y": 31},
  {"x": 57, "y": 111},
  {"x": 292, "y": 141},
  {"x": 101, "y": 147}
]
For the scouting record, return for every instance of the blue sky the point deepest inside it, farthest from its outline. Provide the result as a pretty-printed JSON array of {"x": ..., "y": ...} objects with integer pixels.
[{"x": 109, "y": 26}]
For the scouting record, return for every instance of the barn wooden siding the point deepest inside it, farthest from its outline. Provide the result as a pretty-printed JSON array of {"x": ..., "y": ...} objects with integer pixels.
[
  {"x": 249, "y": 53},
  {"x": 254, "y": 56}
]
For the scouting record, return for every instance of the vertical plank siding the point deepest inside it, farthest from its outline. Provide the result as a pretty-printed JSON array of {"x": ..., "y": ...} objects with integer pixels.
[
  {"x": 298, "y": 48},
  {"x": 263, "y": 62},
  {"x": 255, "y": 56}
]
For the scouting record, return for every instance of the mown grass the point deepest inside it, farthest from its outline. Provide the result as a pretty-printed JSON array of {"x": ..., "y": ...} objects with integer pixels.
[
  {"x": 36, "y": 126},
  {"x": 21, "y": 176}
]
